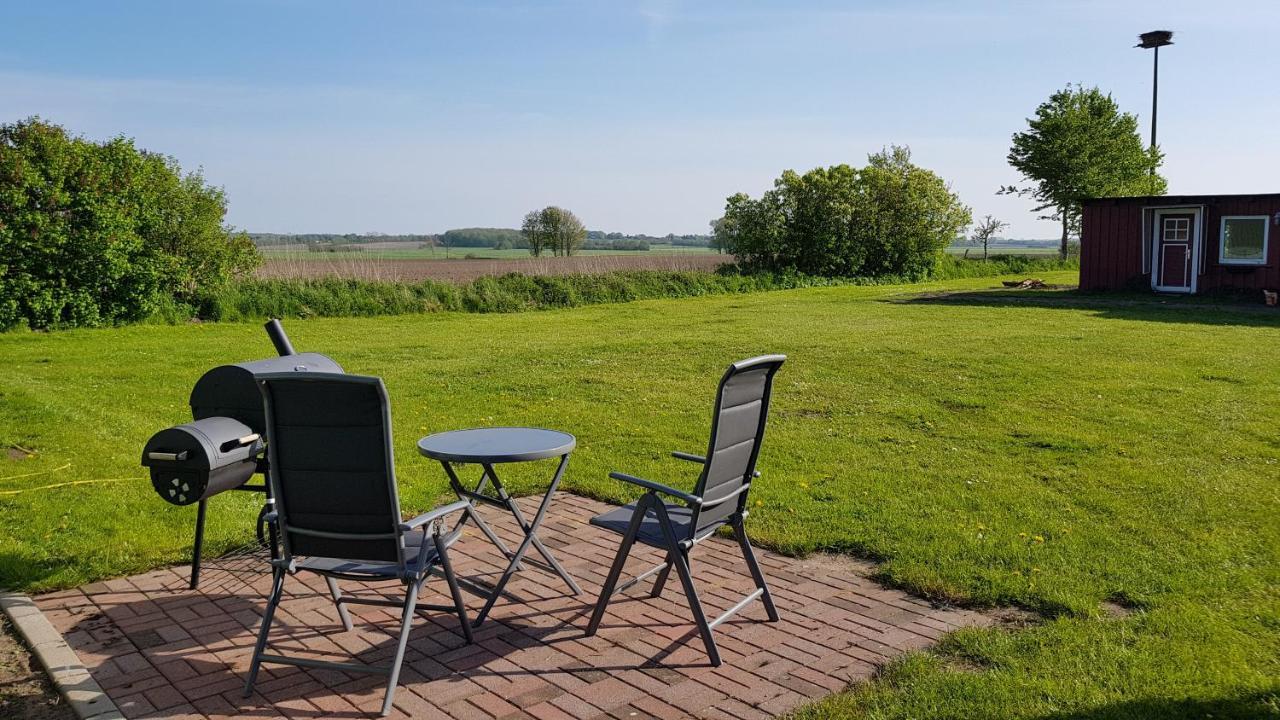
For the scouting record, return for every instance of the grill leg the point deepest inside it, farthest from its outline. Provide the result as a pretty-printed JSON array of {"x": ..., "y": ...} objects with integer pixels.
[
  {"x": 336, "y": 594},
  {"x": 756, "y": 575},
  {"x": 277, "y": 588},
  {"x": 406, "y": 623},
  {"x": 615, "y": 570},
  {"x": 199, "y": 543}
]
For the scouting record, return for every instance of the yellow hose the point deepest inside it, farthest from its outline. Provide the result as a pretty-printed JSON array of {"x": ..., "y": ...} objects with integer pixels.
[
  {"x": 38, "y": 472},
  {"x": 62, "y": 484}
]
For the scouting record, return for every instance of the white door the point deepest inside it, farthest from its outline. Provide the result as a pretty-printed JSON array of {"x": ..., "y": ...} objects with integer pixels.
[{"x": 1173, "y": 251}]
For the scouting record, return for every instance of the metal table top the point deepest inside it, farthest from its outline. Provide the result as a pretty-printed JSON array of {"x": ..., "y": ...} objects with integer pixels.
[{"x": 496, "y": 445}]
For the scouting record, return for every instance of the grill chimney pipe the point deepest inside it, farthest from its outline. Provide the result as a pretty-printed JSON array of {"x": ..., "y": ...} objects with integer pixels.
[{"x": 278, "y": 337}]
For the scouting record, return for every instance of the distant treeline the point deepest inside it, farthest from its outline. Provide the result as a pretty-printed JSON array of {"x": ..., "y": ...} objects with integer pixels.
[
  {"x": 668, "y": 239},
  {"x": 264, "y": 240},
  {"x": 497, "y": 238}
]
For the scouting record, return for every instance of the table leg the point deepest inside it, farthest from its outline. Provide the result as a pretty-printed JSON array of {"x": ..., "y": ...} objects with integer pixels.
[
  {"x": 471, "y": 512},
  {"x": 531, "y": 531},
  {"x": 524, "y": 544}
]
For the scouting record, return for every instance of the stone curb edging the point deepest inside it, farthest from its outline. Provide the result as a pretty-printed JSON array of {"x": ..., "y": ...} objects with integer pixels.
[{"x": 60, "y": 662}]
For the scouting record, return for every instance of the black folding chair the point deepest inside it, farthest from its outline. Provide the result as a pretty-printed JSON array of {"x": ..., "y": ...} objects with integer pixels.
[
  {"x": 720, "y": 498},
  {"x": 337, "y": 511}
]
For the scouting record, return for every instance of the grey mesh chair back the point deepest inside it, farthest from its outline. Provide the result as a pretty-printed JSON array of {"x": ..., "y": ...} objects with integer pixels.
[
  {"x": 332, "y": 469},
  {"x": 337, "y": 512},
  {"x": 719, "y": 498},
  {"x": 737, "y": 431}
]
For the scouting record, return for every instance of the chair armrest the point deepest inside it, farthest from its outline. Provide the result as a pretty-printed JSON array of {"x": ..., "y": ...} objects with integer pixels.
[
  {"x": 657, "y": 487},
  {"x": 433, "y": 515}
]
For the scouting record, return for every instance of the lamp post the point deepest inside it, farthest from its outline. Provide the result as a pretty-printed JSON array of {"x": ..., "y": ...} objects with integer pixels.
[{"x": 1154, "y": 40}]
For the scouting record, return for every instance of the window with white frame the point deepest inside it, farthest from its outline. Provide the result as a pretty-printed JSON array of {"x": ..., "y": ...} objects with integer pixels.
[{"x": 1243, "y": 240}]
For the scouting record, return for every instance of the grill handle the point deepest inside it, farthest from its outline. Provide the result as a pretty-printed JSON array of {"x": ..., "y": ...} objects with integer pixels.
[
  {"x": 249, "y": 439},
  {"x": 278, "y": 337},
  {"x": 170, "y": 457}
]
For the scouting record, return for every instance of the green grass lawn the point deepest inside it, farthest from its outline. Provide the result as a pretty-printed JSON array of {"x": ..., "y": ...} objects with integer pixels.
[{"x": 1053, "y": 453}]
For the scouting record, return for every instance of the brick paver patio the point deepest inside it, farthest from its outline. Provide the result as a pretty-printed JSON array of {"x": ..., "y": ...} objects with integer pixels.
[{"x": 161, "y": 650}]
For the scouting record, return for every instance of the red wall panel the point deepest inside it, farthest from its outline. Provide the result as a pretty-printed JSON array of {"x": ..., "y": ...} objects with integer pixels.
[{"x": 1111, "y": 241}]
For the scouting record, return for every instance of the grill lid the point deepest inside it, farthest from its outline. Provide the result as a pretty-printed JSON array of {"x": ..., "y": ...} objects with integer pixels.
[{"x": 230, "y": 390}]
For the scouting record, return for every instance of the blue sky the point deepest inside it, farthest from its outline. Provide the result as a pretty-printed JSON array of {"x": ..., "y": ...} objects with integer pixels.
[{"x": 640, "y": 116}]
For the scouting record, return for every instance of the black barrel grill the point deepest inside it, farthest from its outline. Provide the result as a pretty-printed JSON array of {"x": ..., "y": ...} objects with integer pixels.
[
  {"x": 193, "y": 462},
  {"x": 222, "y": 448}
]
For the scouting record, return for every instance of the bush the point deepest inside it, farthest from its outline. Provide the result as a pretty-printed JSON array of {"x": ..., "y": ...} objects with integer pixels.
[
  {"x": 890, "y": 218},
  {"x": 101, "y": 233}
]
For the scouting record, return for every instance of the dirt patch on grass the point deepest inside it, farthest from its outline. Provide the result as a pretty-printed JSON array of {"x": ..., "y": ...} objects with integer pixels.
[
  {"x": 1115, "y": 610},
  {"x": 820, "y": 563},
  {"x": 25, "y": 692},
  {"x": 1014, "y": 617},
  {"x": 966, "y": 665},
  {"x": 1119, "y": 606},
  {"x": 461, "y": 270}
]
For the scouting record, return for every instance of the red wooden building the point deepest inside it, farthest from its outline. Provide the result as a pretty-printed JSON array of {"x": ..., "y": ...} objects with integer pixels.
[{"x": 1181, "y": 243}]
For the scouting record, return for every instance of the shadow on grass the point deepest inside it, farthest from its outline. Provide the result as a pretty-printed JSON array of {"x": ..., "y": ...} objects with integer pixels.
[
  {"x": 1147, "y": 307},
  {"x": 1257, "y": 705}
]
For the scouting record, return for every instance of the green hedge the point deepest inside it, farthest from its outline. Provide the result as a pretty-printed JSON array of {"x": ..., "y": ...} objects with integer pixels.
[
  {"x": 951, "y": 267},
  {"x": 335, "y": 297}
]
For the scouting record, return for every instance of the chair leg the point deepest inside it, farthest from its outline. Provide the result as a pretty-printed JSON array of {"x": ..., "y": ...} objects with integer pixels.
[
  {"x": 277, "y": 588},
  {"x": 749, "y": 555},
  {"x": 406, "y": 623},
  {"x": 661, "y": 582},
  {"x": 699, "y": 617},
  {"x": 336, "y": 594},
  {"x": 615, "y": 571},
  {"x": 681, "y": 559},
  {"x": 454, "y": 590}
]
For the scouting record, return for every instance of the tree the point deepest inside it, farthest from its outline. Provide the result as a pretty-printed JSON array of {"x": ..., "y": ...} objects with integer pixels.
[
  {"x": 555, "y": 229},
  {"x": 567, "y": 231},
  {"x": 1079, "y": 145},
  {"x": 99, "y": 233},
  {"x": 889, "y": 218},
  {"x": 721, "y": 241},
  {"x": 905, "y": 215},
  {"x": 535, "y": 234},
  {"x": 986, "y": 230}
]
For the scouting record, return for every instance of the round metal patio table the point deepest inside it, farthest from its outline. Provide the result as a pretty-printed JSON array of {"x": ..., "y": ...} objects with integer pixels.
[{"x": 492, "y": 446}]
